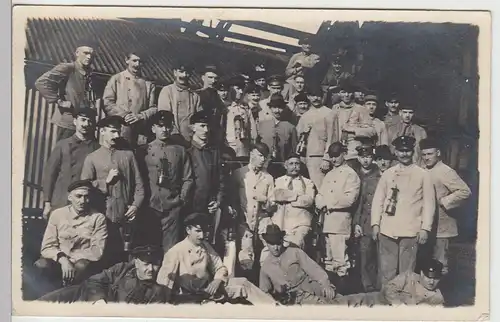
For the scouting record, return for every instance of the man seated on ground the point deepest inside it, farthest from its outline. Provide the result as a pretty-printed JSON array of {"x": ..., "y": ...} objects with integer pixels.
[
  {"x": 192, "y": 270},
  {"x": 292, "y": 276},
  {"x": 129, "y": 282},
  {"x": 74, "y": 239}
]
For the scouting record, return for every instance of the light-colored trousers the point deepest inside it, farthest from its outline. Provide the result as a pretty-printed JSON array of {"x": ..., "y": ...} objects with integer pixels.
[
  {"x": 240, "y": 287},
  {"x": 337, "y": 260},
  {"x": 396, "y": 256},
  {"x": 313, "y": 165}
]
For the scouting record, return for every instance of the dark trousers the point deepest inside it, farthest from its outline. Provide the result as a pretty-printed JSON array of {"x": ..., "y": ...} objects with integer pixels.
[
  {"x": 368, "y": 263},
  {"x": 159, "y": 228},
  {"x": 63, "y": 133},
  {"x": 114, "y": 251}
]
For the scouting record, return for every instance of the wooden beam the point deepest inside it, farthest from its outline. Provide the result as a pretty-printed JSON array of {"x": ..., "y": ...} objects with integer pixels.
[{"x": 272, "y": 28}]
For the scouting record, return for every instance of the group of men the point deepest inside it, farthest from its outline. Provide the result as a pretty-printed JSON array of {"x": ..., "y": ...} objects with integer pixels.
[{"x": 166, "y": 185}]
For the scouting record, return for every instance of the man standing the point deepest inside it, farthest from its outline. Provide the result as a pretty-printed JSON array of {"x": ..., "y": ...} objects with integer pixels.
[
  {"x": 402, "y": 212},
  {"x": 241, "y": 128},
  {"x": 68, "y": 85},
  {"x": 181, "y": 101},
  {"x": 383, "y": 157},
  {"x": 301, "y": 63},
  {"x": 301, "y": 105},
  {"x": 392, "y": 105},
  {"x": 130, "y": 96},
  {"x": 333, "y": 78},
  {"x": 74, "y": 239},
  {"x": 290, "y": 275},
  {"x": 259, "y": 79},
  {"x": 297, "y": 88},
  {"x": 294, "y": 195},
  {"x": 406, "y": 127},
  {"x": 192, "y": 269},
  {"x": 275, "y": 86},
  {"x": 116, "y": 176},
  {"x": 321, "y": 124},
  {"x": 170, "y": 179},
  {"x": 337, "y": 195},
  {"x": 451, "y": 192},
  {"x": 369, "y": 175},
  {"x": 66, "y": 160},
  {"x": 381, "y": 136}
]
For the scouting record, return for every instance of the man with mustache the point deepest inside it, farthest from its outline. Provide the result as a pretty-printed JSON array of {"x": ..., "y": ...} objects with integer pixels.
[
  {"x": 69, "y": 86},
  {"x": 116, "y": 176},
  {"x": 298, "y": 87},
  {"x": 130, "y": 96},
  {"x": 275, "y": 86},
  {"x": 66, "y": 160},
  {"x": 179, "y": 99},
  {"x": 392, "y": 115},
  {"x": 74, "y": 239},
  {"x": 402, "y": 213},
  {"x": 383, "y": 157},
  {"x": 381, "y": 136}
]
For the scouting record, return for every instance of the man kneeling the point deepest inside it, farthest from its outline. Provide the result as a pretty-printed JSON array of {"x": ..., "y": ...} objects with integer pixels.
[{"x": 193, "y": 271}]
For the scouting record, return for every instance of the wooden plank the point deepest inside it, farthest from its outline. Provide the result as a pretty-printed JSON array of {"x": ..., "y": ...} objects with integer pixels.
[
  {"x": 43, "y": 154},
  {"x": 272, "y": 28},
  {"x": 39, "y": 136},
  {"x": 29, "y": 144}
]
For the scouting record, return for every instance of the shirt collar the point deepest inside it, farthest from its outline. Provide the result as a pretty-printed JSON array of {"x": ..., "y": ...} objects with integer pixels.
[
  {"x": 73, "y": 213},
  {"x": 190, "y": 246},
  {"x": 82, "y": 70},
  {"x": 128, "y": 75},
  {"x": 181, "y": 88},
  {"x": 252, "y": 169},
  {"x": 198, "y": 145}
]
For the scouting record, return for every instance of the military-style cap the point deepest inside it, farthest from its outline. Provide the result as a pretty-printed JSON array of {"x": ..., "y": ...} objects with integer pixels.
[
  {"x": 183, "y": 65},
  {"x": 147, "y": 253},
  {"x": 196, "y": 219},
  {"x": 275, "y": 80},
  {"x": 432, "y": 268},
  {"x": 345, "y": 86},
  {"x": 277, "y": 100},
  {"x": 301, "y": 97},
  {"x": 336, "y": 148},
  {"x": 198, "y": 117},
  {"x": 252, "y": 88},
  {"x": 393, "y": 97},
  {"x": 85, "y": 111},
  {"x": 258, "y": 74},
  {"x": 163, "y": 118},
  {"x": 273, "y": 235},
  {"x": 237, "y": 81},
  {"x": 210, "y": 69},
  {"x": 306, "y": 40},
  {"x": 293, "y": 155},
  {"x": 221, "y": 85},
  {"x": 365, "y": 150},
  {"x": 262, "y": 148},
  {"x": 80, "y": 184},
  {"x": 113, "y": 121},
  {"x": 407, "y": 107},
  {"x": 429, "y": 143},
  {"x": 383, "y": 152},
  {"x": 371, "y": 97},
  {"x": 314, "y": 91},
  {"x": 404, "y": 143}
]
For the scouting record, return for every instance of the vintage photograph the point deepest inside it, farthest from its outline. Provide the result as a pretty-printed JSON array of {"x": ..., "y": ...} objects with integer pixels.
[{"x": 171, "y": 157}]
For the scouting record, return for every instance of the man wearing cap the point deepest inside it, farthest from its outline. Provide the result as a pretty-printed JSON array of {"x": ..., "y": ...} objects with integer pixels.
[
  {"x": 402, "y": 212},
  {"x": 451, "y": 192},
  {"x": 359, "y": 94},
  {"x": 301, "y": 62},
  {"x": 192, "y": 269},
  {"x": 116, "y": 176},
  {"x": 241, "y": 128},
  {"x": 275, "y": 86},
  {"x": 222, "y": 89},
  {"x": 333, "y": 78},
  {"x": 383, "y": 157},
  {"x": 66, "y": 160},
  {"x": 130, "y": 96},
  {"x": 277, "y": 133},
  {"x": 369, "y": 174},
  {"x": 392, "y": 105},
  {"x": 294, "y": 196},
  {"x": 406, "y": 127},
  {"x": 181, "y": 100},
  {"x": 169, "y": 176},
  {"x": 381, "y": 135},
  {"x": 68, "y": 85},
  {"x": 292, "y": 276},
  {"x": 298, "y": 87},
  {"x": 337, "y": 196},
  {"x": 259, "y": 79},
  {"x": 321, "y": 124},
  {"x": 301, "y": 105},
  {"x": 74, "y": 239},
  {"x": 132, "y": 282},
  {"x": 250, "y": 191}
]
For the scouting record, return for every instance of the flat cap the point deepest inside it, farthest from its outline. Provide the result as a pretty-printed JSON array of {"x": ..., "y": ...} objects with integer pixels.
[
  {"x": 315, "y": 91},
  {"x": 198, "y": 117},
  {"x": 429, "y": 143},
  {"x": 346, "y": 86},
  {"x": 305, "y": 40},
  {"x": 277, "y": 100},
  {"x": 383, "y": 152},
  {"x": 147, "y": 253},
  {"x": 301, "y": 97},
  {"x": 221, "y": 85},
  {"x": 371, "y": 98},
  {"x": 252, "y": 88},
  {"x": 80, "y": 184},
  {"x": 196, "y": 219},
  {"x": 432, "y": 268},
  {"x": 404, "y": 143},
  {"x": 85, "y": 111},
  {"x": 163, "y": 118},
  {"x": 210, "y": 69},
  {"x": 393, "y": 97},
  {"x": 365, "y": 150},
  {"x": 293, "y": 155},
  {"x": 407, "y": 107},
  {"x": 336, "y": 148},
  {"x": 113, "y": 121}
]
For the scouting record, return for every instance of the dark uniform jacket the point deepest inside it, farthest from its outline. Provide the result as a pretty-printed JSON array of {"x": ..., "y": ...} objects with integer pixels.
[{"x": 217, "y": 113}]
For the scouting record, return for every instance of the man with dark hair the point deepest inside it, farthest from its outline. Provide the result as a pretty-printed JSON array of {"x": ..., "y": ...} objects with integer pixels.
[
  {"x": 275, "y": 87},
  {"x": 192, "y": 269},
  {"x": 68, "y": 85},
  {"x": 383, "y": 157},
  {"x": 296, "y": 88},
  {"x": 130, "y": 96},
  {"x": 333, "y": 78},
  {"x": 168, "y": 169},
  {"x": 259, "y": 79},
  {"x": 392, "y": 115},
  {"x": 381, "y": 135},
  {"x": 66, "y": 160}
]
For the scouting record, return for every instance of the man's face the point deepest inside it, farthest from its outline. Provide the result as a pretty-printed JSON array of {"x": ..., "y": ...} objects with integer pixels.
[
  {"x": 345, "y": 96},
  {"x": 146, "y": 271},
  {"x": 195, "y": 234},
  {"x": 428, "y": 282},
  {"x": 406, "y": 115},
  {"x": 383, "y": 164},
  {"x": 209, "y": 78},
  {"x": 110, "y": 135},
  {"x": 292, "y": 167},
  {"x": 405, "y": 157},
  {"x": 182, "y": 76},
  {"x": 261, "y": 82},
  {"x": 275, "y": 250},
  {"x": 223, "y": 94},
  {"x": 430, "y": 157},
  {"x": 337, "y": 161},
  {"x": 392, "y": 106},
  {"x": 315, "y": 100},
  {"x": 337, "y": 66},
  {"x": 299, "y": 84},
  {"x": 200, "y": 131},
  {"x": 365, "y": 161},
  {"x": 257, "y": 159},
  {"x": 238, "y": 92},
  {"x": 277, "y": 111},
  {"x": 371, "y": 106},
  {"x": 80, "y": 199},
  {"x": 253, "y": 97},
  {"x": 359, "y": 96},
  {"x": 302, "y": 107},
  {"x": 84, "y": 124},
  {"x": 275, "y": 88},
  {"x": 306, "y": 48},
  {"x": 162, "y": 131},
  {"x": 85, "y": 55},
  {"x": 134, "y": 64}
]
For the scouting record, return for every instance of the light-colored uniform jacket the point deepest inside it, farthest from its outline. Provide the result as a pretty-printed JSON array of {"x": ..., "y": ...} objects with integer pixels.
[{"x": 323, "y": 124}]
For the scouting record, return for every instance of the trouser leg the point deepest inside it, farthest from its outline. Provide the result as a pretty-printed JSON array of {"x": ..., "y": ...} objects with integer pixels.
[
  {"x": 313, "y": 167},
  {"x": 368, "y": 263},
  {"x": 114, "y": 251},
  {"x": 297, "y": 235},
  {"x": 64, "y": 295},
  {"x": 240, "y": 287},
  {"x": 170, "y": 227},
  {"x": 49, "y": 269},
  {"x": 63, "y": 133},
  {"x": 388, "y": 253},
  {"x": 339, "y": 261},
  {"x": 441, "y": 252},
  {"x": 407, "y": 254}
]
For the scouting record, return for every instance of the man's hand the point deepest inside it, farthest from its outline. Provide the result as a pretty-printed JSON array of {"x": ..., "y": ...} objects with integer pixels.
[
  {"x": 112, "y": 175},
  {"x": 131, "y": 212},
  {"x": 329, "y": 293},
  {"x": 325, "y": 166},
  {"x": 375, "y": 232},
  {"x": 422, "y": 236},
  {"x": 358, "y": 232},
  {"x": 212, "y": 207},
  {"x": 47, "y": 208},
  {"x": 68, "y": 269},
  {"x": 213, "y": 287},
  {"x": 132, "y": 118},
  {"x": 64, "y": 104}
]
